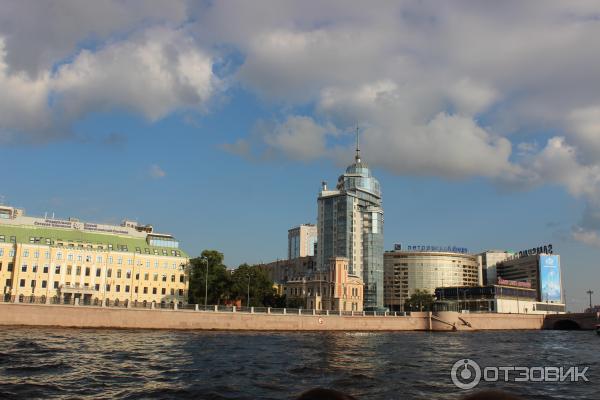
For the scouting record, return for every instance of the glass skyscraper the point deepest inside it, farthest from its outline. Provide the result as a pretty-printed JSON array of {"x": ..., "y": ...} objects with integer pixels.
[{"x": 350, "y": 224}]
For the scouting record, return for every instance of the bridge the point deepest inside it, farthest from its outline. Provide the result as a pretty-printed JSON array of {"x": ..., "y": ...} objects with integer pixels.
[{"x": 571, "y": 321}]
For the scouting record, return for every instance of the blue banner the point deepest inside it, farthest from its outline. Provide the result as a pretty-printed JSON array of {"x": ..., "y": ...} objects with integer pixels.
[{"x": 550, "y": 285}]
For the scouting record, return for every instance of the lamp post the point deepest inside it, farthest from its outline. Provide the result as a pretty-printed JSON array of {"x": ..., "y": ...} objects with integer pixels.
[
  {"x": 248, "y": 302},
  {"x": 590, "y": 292},
  {"x": 206, "y": 285}
]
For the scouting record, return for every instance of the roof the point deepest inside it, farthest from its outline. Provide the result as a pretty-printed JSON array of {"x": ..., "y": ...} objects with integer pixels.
[{"x": 24, "y": 233}]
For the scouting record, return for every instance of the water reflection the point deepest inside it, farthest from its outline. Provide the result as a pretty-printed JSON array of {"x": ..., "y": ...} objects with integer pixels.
[{"x": 68, "y": 363}]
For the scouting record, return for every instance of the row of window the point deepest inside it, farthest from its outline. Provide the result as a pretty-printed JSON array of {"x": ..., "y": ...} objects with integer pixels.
[
  {"x": 126, "y": 288},
  {"x": 87, "y": 272}
]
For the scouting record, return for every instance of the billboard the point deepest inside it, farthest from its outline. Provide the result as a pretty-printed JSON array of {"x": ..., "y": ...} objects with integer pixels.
[{"x": 550, "y": 278}]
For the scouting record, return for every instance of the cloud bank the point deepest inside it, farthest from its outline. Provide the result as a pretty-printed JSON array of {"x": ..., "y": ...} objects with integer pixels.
[{"x": 502, "y": 90}]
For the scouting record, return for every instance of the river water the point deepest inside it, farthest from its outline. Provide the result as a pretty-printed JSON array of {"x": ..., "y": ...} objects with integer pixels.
[{"x": 101, "y": 364}]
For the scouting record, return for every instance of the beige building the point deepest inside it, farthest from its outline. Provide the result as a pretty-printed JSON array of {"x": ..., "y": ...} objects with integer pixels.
[
  {"x": 488, "y": 260},
  {"x": 302, "y": 241},
  {"x": 406, "y": 271},
  {"x": 333, "y": 290},
  {"x": 68, "y": 261}
]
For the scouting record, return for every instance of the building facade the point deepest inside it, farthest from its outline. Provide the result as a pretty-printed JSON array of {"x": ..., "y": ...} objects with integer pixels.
[
  {"x": 63, "y": 261},
  {"x": 506, "y": 298},
  {"x": 407, "y": 271},
  {"x": 488, "y": 260},
  {"x": 302, "y": 241},
  {"x": 542, "y": 271},
  {"x": 334, "y": 290},
  {"x": 350, "y": 225}
]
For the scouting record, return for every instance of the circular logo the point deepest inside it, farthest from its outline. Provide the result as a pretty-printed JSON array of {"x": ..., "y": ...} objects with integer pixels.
[
  {"x": 320, "y": 321},
  {"x": 465, "y": 374},
  {"x": 549, "y": 261}
]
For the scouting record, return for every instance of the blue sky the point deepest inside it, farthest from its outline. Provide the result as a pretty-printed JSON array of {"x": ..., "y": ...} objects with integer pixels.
[{"x": 217, "y": 122}]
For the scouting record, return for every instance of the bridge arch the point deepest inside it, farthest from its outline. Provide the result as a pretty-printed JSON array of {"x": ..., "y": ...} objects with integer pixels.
[{"x": 566, "y": 325}]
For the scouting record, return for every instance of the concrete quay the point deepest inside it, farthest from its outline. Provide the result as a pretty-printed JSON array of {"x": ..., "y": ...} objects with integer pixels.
[{"x": 12, "y": 314}]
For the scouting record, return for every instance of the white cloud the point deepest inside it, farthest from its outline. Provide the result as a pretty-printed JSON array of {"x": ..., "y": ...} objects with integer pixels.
[
  {"x": 156, "y": 172},
  {"x": 152, "y": 73}
]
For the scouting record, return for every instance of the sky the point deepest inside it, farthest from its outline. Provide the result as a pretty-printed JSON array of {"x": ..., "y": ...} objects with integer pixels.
[{"x": 217, "y": 121}]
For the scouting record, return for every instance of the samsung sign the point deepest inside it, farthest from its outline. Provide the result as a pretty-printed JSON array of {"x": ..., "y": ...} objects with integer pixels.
[{"x": 537, "y": 250}]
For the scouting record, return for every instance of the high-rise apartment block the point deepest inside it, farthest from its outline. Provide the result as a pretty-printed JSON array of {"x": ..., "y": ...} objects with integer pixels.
[
  {"x": 302, "y": 241},
  {"x": 350, "y": 225}
]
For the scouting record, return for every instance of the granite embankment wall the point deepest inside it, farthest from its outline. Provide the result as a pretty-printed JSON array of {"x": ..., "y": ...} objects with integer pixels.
[{"x": 98, "y": 317}]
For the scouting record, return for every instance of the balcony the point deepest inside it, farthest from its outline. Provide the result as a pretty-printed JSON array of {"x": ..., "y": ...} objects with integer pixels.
[{"x": 77, "y": 289}]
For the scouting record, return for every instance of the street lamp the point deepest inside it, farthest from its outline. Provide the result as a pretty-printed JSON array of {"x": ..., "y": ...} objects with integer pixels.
[
  {"x": 248, "y": 302},
  {"x": 206, "y": 284},
  {"x": 590, "y": 292}
]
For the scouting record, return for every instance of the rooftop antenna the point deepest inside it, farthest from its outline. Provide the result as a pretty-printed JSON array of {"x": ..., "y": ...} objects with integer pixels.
[{"x": 357, "y": 157}]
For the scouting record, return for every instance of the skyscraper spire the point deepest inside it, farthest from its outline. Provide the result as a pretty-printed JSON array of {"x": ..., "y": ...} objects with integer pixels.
[{"x": 357, "y": 157}]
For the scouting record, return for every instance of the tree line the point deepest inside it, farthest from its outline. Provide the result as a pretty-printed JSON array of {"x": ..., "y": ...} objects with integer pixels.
[{"x": 225, "y": 286}]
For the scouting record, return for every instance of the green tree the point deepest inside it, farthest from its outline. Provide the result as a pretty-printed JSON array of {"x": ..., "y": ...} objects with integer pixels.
[
  {"x": 254, "y": 278},
  {"x": 421, "y": 300},
  {"x": 219, "y": 279}
]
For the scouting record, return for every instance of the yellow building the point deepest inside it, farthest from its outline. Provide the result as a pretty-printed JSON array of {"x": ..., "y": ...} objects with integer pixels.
[{"x": 48, "y": 260}]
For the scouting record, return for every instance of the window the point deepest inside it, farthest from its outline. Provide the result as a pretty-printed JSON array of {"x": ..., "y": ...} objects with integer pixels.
[
  {"x": 99, "y": 259},
  {"x": 182, "y": 278},
  {"x": 98, "y": 272},
  {"x": 164, "y": 278},
  {"x": 9, "y": 282},
  {"x": 164, "y": 291},
  {"x": 9, "y": 267},
  {"x": 36, "y": 254},
  {"x": 119, "y": 261},
  {"x": 78, "y": 270},
  {"x": 25, "y": 253},
  {"x": 13, "y": 239},
  {"x": 1, "y": 252},
  {"x": 69, "y": 270},
  {"x": 117, "y": 288},
  {"x": 137, "y": 276},
  {"x": 110, "y": 259},
  {"x": 88, "y": 258},
  {"x": 11, "y": 253},
  {"x": 172, "y": 292},
  {"x": 79, "y": 257},
  {"x": 146, "y": 276},
  {"x": 147, "y": 264},
  {"x": 172, "y": 278},
  {"x": 33, "y": 283},
  {"x": 87, "y": 271},
  {"x": 70, "y": 257},
  {"x": 34, "y": 268},
  {"x": 128, "y": 275},
  {"x": 108, "y": 288},
  {"x": 97, "y": 287},
  {"x": 154, "y": 290},
  {"x": 47, "y": 254},
  {"x": 146, "y": 250},
  {"x": 2, "y": 238},
  {"x": 46, "y": 267},
  {"x": 108, "y": 273},
  {"x": 59, "y": 256},
  {"x": 145, "y": 290},
  {"x": 181, "y": 292},
  {"x": 24, "y": 268},
  {"x": 155, "y": 277},
  {"x": 22, "y": 283},
  {"x": 136, "y": 289},
  {"x": 48, "y": 241},
  {"x": 44, "y": 284},
  {"x": 126, "y": 288},
  {"x": 138, "y": 250},
  {"x": 118, "y": 273},
  {"x": 57, "y": 269},
  {"x": 110, "y": 246},
  {"x": 129, "y": 261},
  {"x": 165, "y": 253},
  {"x": 55, "y": 284}
]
